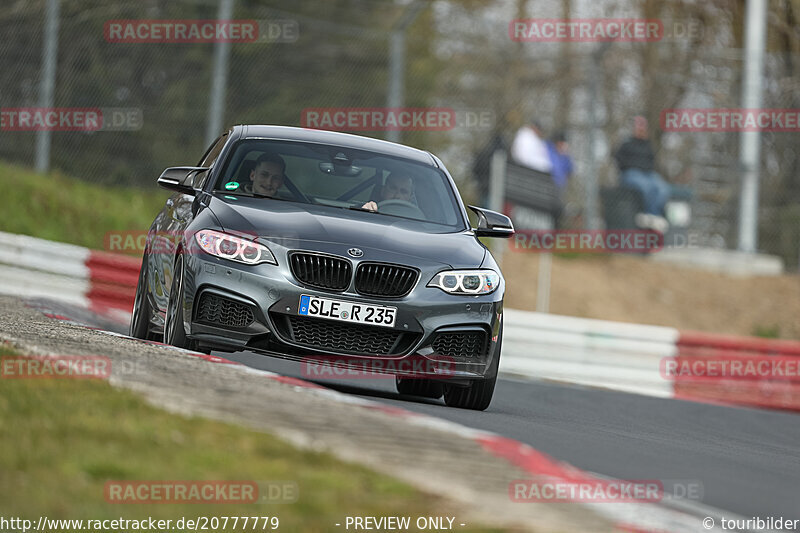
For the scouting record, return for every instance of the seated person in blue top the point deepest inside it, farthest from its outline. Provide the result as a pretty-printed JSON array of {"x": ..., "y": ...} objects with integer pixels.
[{"x": 558, "y": 150}]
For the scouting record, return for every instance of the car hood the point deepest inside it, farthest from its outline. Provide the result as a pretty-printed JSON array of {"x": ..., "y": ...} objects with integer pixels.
[{"x": 298, "y": 226}]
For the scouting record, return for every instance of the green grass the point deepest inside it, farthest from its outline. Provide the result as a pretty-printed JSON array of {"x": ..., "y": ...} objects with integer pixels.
[
  {"x": 767, "y": 332},
  {"x": 60, "y": 208},
  {"x": 64, "y": 439}
]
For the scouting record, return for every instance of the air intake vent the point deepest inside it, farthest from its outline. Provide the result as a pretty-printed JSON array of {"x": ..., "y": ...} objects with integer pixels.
[
  {"x": 334, "y": 336},
  {"x": 461, "y": 345},
  {"x": 218, "y": 311}
]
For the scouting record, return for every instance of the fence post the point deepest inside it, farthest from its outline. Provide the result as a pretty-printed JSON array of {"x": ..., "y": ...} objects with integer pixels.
[
  {"x": 750, "y": 141},
  {"x": 543, "y": 284},
  {"x": 397, "y": 62},
  {"x": 47, "y": 83},
  {"x": 591, "y": 188},
  {"x": 219, "y": 78}
]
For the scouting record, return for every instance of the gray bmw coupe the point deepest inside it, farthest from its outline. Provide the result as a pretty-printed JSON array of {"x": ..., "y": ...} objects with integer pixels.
[{"x": 307, "y": 244}]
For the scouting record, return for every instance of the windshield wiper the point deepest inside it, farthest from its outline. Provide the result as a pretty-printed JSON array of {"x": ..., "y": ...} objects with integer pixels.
[{"x": 356, "y": 208}]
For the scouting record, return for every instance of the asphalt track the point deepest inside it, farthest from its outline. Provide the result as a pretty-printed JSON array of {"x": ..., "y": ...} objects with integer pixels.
[{"x": 747, "y": 460}]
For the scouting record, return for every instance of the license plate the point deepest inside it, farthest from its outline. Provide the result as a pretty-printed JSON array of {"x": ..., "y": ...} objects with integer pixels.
[{"x": 377, "y": 315}]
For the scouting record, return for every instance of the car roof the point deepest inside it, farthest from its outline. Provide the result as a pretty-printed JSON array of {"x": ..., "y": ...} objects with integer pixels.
[{"x": 345, "y": 140}]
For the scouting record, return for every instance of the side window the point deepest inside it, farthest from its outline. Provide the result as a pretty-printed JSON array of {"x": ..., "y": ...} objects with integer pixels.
[
  {"x": 213, "y": 151},
  {"x": 208, "y": 160},
  {"x": 199, "y": 179}
]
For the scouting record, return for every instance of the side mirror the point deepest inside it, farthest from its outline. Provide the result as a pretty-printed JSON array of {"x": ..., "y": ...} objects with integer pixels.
[
  {"x": 180, "y": 179},
  {"x": 492, "y": 223}
]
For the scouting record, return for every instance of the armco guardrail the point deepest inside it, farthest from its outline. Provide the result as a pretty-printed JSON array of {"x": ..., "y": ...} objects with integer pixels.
[
  {"x": 627, "y": 357},
  {"x": 768, "y": 372},
  {"x": 102, "y": 282},
  {"x": 113, "y": 280},
  {"x": 653, "y": 360},
  {"x": 587, "y": 351}
]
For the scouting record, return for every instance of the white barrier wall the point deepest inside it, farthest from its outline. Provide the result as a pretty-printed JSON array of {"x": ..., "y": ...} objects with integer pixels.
[
  {"x": 600, "y": 353},
  {"x": 587, "y": 351},
  {"x": 31, "y": 267}
]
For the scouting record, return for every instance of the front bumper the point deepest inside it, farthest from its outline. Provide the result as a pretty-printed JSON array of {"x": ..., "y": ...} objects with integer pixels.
[{"x": 431, "y": 330}]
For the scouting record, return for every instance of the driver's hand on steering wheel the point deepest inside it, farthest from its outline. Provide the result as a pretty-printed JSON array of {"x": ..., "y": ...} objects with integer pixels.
[{"x": 372, "y": 206}]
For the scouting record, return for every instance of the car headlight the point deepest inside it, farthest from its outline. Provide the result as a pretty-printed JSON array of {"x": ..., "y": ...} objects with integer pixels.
[
  {"x": 236, "y": 249},
  {"x": 466, "y": 281}
]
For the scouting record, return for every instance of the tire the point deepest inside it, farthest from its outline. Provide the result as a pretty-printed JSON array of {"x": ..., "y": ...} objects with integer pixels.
[
  {"x": 425, "y": 388},
  {"x": 174, "y": 333},
  {"x": 478, "y": 394},
  {"x": 140, "y": 316}
]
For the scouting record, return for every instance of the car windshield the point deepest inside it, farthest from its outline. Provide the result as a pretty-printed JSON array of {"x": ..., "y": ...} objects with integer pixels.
[{"x": 340, "y": 177}]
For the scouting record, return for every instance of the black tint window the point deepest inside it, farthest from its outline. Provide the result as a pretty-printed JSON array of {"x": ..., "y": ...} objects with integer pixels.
[
  {"x": 208, "y": 160},
  {"x": 213, "y": 151},
  {"x": 340, "y": 177}
]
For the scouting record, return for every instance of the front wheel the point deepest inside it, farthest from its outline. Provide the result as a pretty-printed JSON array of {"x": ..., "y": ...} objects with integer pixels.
[
  {"x": 140, "y": 316},
  {"x": 174, "y": 333},
  {"x": 478, "y": 394}
]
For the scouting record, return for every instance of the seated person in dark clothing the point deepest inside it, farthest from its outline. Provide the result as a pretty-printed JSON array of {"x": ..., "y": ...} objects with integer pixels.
[
  {"x": 636, "y": 161},
  {"x": 397, "y": 187}
]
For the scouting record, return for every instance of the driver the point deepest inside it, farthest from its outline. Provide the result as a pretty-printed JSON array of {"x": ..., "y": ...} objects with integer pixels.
[
  {"x": 267, "y": 175},
  {"x": 397, "y": 187}
]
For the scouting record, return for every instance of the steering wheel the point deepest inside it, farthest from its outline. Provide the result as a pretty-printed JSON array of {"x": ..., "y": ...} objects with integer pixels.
[{"x": 401, "y": 207}]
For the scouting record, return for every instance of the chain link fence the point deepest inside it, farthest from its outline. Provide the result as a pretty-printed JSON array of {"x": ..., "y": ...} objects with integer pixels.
[{"x": 457, "y": 55}]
